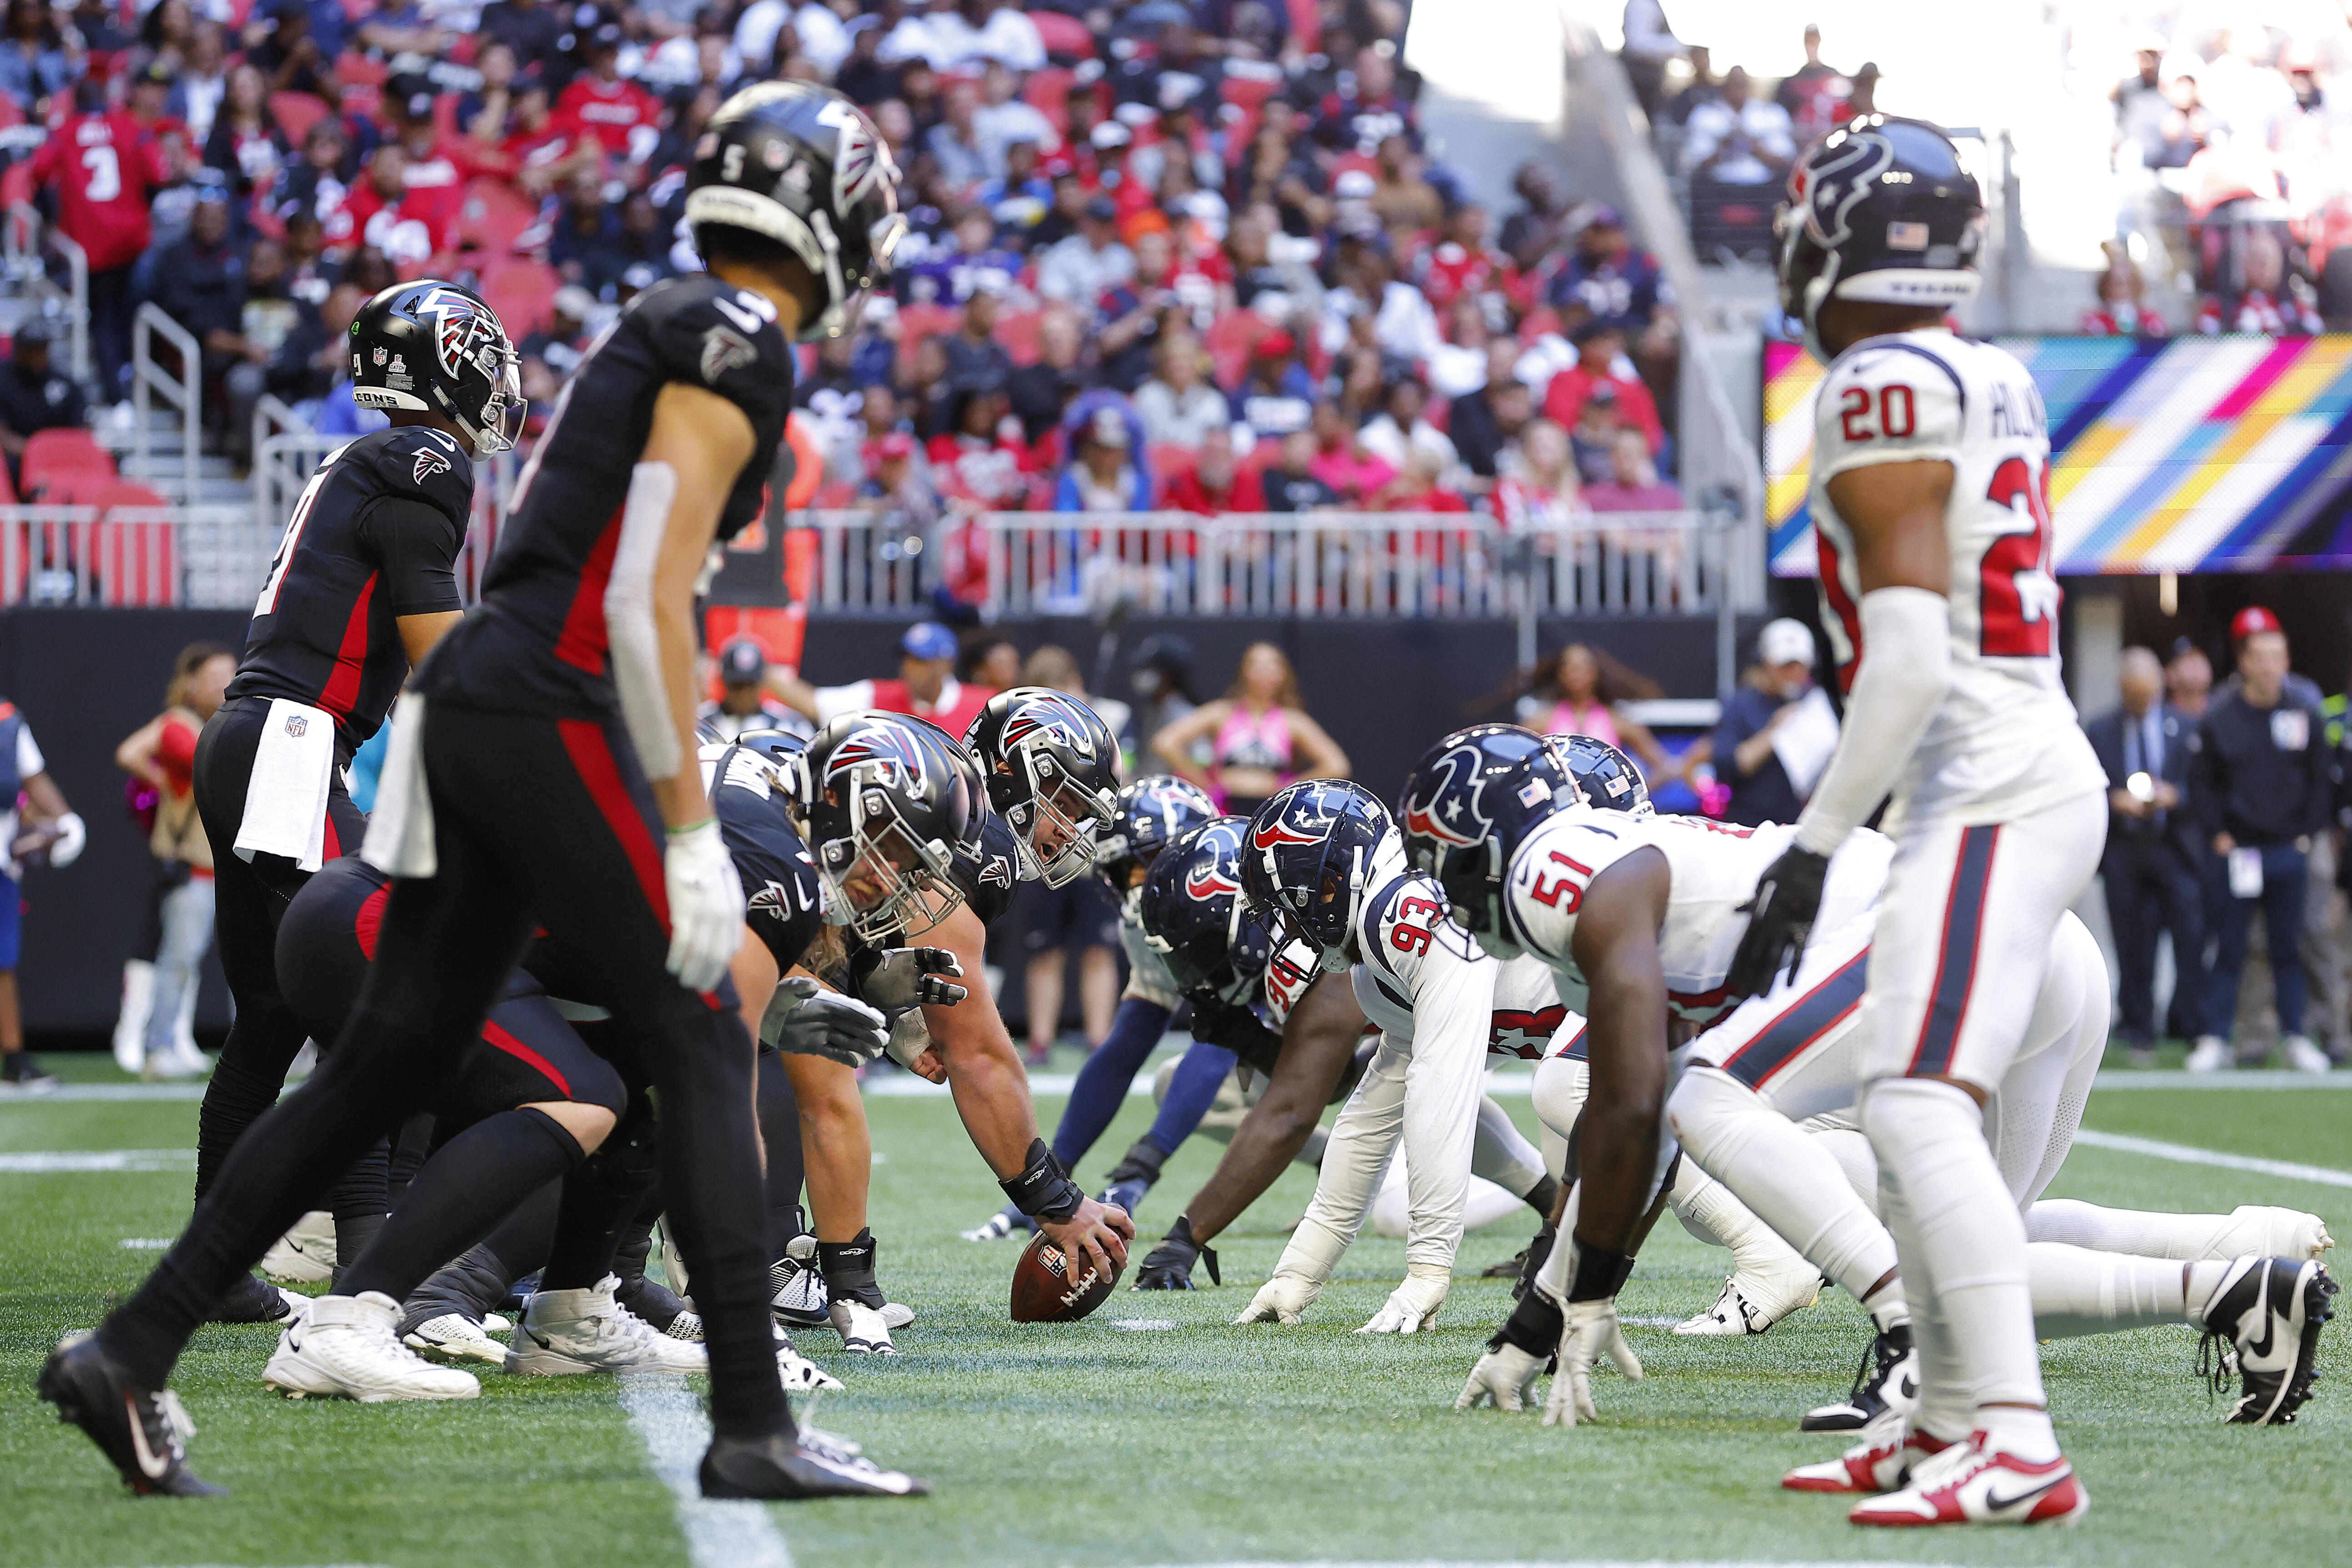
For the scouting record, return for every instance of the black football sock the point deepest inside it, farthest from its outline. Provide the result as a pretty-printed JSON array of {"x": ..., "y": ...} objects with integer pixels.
[
  {"x": 478, "y": 1280},
  {"x": 780, "y": 1133},
  {"x": 359, "y": 1200},
  {"x": 1142, "y": 1164},
  {"x": 1543, "y": 1197},
  {"x": 247, "y": 1079},
  {"x": 410, "y": 1147},
  {"x": 849, "y": 1268},
  {"x": 609, "y": 1207},
  {"x": 472, "y": 1182}
]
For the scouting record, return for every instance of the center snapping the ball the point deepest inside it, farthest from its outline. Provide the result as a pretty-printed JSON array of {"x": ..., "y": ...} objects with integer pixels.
[{"x": 1043, "y": 1292}]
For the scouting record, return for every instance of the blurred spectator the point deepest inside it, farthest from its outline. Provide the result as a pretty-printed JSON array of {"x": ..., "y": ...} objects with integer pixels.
[
  {"x": 1399, "y": 434},
  {"x": 283, "y": 42},
  {"x": 1081, "y": 916},
  {"x": 1541, "y": 490},
  {"x": 1748, "y": 744},
  {"x": 161, "y": 754},
  {"x": 1277, "y": 396},
  {"x": 743, "y": 702},
  {"x": 309, "y": 363},
  {"x": 2188, "y": 679},
  {"x": 1633, "y": 484},
  {"x": 1862, "y": 94},
  {"x": 955, "y": 144},
  {"x": 1458, "y": 264},
  {"x": 974, "y": 266},
  {"x": 1083, "y": 268},
  {"x": 201, "y": 284},
  {"x": 36, "y": 828},
  {"x": 1160, "y": 679},
  {"x": 35, "y": 66},
  {"x": 1600, "y": 361},
  {"x": 1650, "y": 43},
  {"x": 535, "y": 31},
  {"x": 1459, "y": 365},
  {"x": 1259, "y": 736},
  {"x": 954, "y": 33},
  {"x": 1593, "y": 439},
  {"x": 1812, "y": 93},
  {"x": 2120, "y": 312},
  {"x": 926, "y": 685},
  {"x": 2181, "y": 132},
  {"x": 1418, "y": 486},
  {"x": 1040, "y": 391},
  {"x": 1702, "y": 87},
  {"x": 1129, "y": 314},
  {"x": 2153, "y": 865},
  {"x": 2268, "y": 303},
  {"x": 1178, "y": 407},
  {"x": 636, "y": 259},
  {"x": 105, "y": 172},
  {"x": 1485, "y": 422},
  {"x": 1407, "y": 203},
  {"x": 561, "y": 345},
  {"x": 624, "y": 118},
  {"x": 1018, "y": 199},
  {"x": 1738, "y": 139},
  {"x": 267, "y": 319},
  {"x": 314, "y": 183},
  {"x": 35, "y": 395},
  {"x": 1359, "y": 120},
  {"x": 1530, "y": 233},
  {"x": 201, "y": 82},
  {"x": 1614, "y": 283},
  {"x": 409, "y": 229},
  {"x": 1586, "y": 693},
  {"x": 2141, "y": 102},
  {"x": 1291, "y": 483},
  {"x": 981, "y": 456},
  {"x": 1403, "y": 324},
  {"x": 898, "y": 495},
  {"x": 1341, "y": 459},
  {"x": 587, "y": 230},
  {"x": 974, "y": 354},
  {"x": 2259, "y": 785},
  {"x": 1215, "y": 483},
  {"x": 246, "y": 145},
  {"x": 1104, "y": 475}
]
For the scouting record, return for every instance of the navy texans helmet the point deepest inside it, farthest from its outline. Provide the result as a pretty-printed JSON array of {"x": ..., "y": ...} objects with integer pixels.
[
  {"x": 779, "y": 746},
  {"x": 1052, "y": 767},
  {"x": 886, "y": 801},
  {"x": 1467, "y": 803},
  {"x": 1607, "y": 777},
  {"x": 803, "y": 166},
  {"x": 1314, "y": 849},
  {"x": 1150, "y": 815},
  {"x": 1194, "y": 915},
  {"x": 430, "y": 347},
  {"x": 1880, "y": 209}
]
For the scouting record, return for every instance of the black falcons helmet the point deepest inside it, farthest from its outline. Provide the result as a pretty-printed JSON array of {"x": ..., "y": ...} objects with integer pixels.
[
  {"x": 1310, "y": 860},
  {"x": 1052, "y": 767},
  {"x": 803, "y": 166},
  {"x": 1607, "y": 777},
  {"x": 1150, "y": 814},
  {"x": 1467, "y": 803},
  {"x": 1879, "y": 209},
  {"x": 898, "y": 795},
  {"x": 1193, "y": 913},
  {"x": 430, "y": 347},
  {"x": 779, "y": 746}
]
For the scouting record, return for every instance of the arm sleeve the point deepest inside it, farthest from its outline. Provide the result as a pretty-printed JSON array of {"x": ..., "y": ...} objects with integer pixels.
[
  {"x": 1902, "y": 681},
  {"x": 1898, "y": 403},
  {"x": 415, "y": 546}
]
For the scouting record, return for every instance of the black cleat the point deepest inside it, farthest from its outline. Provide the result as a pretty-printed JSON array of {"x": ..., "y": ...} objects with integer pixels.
[
  {"x": 1510, "y": 1268},
  {"x": 2265, "y": 1318},
  {"x": 143, "y": 1431},
  {"x": 20, "y": 1074},
  {"x": 253, "y": 1300},
  {"x": 782, "y": 1468},
  {"x": 1889, "y": 1375}
]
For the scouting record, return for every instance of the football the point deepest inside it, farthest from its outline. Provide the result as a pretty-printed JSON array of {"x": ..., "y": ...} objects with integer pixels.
[{"x": 1043, "y": 1292}]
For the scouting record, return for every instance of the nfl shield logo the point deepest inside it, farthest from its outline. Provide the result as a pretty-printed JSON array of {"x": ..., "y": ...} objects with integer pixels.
[
  {"x": 378, "y": 354},
  {"x": 297, "y": 725}
]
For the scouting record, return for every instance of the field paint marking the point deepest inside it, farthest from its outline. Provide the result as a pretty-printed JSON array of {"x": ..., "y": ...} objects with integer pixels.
[
  {"x": 2182, "y": 1153},
  {"x": 669, "y": 1422},
  {"x": 67, "y": 1092},
  {"x": 48, "y": 1162},
  {"x": 2254, "y": 1078},
  {"x": 145, "y": 1244},
  {"x": 1590, "y": 1563}
]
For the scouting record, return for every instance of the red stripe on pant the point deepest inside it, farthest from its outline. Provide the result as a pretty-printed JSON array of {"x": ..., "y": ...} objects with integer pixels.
[
  {"x": 505, "y": 1041},
  {"x": 600, "y": 771}
]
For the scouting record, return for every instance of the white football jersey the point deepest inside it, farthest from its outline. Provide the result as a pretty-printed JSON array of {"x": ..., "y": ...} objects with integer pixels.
[
  {"x": 1417, "y": 976},
  {"x": 2005, "y": 740},
  {"x": 1288, "y": 973},
  {"x": 1712, "y": 868}
]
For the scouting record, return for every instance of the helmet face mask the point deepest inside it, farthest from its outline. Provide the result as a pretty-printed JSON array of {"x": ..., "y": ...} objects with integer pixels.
[
  {"x": 431, "y": 347},
  {"x": 885, "y": 803},
  {"x": 1311, "y": 860},
  {"x": 1193, "y": 912},
  {"x": 1052, "y": 770}
]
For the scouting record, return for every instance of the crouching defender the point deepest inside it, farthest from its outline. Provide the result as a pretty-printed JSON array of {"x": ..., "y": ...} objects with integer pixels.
[{"x": 549, "y": 780}]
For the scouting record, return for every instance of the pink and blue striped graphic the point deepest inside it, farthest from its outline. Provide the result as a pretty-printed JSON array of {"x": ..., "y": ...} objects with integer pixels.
[{"x": 2229, "y": 454}]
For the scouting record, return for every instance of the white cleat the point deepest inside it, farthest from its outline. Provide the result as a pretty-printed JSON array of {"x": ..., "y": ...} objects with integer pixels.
[
  {"x": 801, "y": 1375},
  {"x": 496, "y": 1323},
  {"x": 1881, "y": 1462},
  {"x": 1968, "y": 1483},
  {"x": 798, "y": 1297},
  {"x": 1752, "y": 1302},
  {"x": 1000, "y": 1225},
  {"x": 862, "y": 1329},
  {"x": 453, "y": 1337},
  {"x": 2258, "y": 1230},
  {"x": 2304, "y": 1056},
  {"x": 347, "y": 1347},
  {"x": 2210, "y": 1054},
  {"x": 897, "y": 1315},
  {"x": 304, "y": 1255},
  {"x": 569, "y": 1332}
]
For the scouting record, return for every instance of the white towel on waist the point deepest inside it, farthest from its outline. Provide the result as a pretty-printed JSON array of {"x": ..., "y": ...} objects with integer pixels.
[
  {"x": 400, "y": 830},
  {"x": 286, "y": 798}
]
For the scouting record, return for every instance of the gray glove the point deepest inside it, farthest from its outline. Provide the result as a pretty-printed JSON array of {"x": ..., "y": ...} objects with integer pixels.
[
  {"x": 805, "y": 1020},
  {"x": 896, "y": 978}
]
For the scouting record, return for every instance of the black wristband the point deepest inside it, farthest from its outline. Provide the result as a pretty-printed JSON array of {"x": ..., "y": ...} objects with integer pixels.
[
  {"x": 1600, "y": 1274},
  {"x": 1043, "y": 1189},
  {"x": 1533, "y": 1326}
]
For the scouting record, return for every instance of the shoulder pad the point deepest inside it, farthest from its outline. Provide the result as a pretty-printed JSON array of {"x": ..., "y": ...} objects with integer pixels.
[{"x": 415, "y": 460}]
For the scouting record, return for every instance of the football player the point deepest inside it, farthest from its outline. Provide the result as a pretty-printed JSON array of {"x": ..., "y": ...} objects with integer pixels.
[
  {"x": 548, "y": 778},
  {"x": 1324, "y": 865}
]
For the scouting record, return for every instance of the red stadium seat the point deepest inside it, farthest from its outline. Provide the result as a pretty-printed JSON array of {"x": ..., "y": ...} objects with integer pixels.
[
  {"x": 1167, "y": 459},
  {"x": 1064, "y": 36},
  {"x": 70, "y": 487},
  {"x": 1307, "y": 26},
  {"x": 522, "y": 294},
  {"x": 1048, "y": 92},
  {"x": 362, "y": 82},
  {"x": 1017, "y": 333},
  {"x": 493, "y": 215},
  {"x": 1249, "y": 92},
  {"x": 67, "y": 456},
  {"x": 295, "y": 112},
  {"x": 17, "y": 182}
]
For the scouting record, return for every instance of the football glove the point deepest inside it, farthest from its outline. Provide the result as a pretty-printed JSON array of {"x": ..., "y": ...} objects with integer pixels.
[
  {"x": 1169, "y": 1266},
  {"x": 1505, "y": 1376},
  {"x": 894, "y": 979},
  {"x": 1587, "y": 1332},
  {"x": 1412, "y": 1306},
  {"x": 72, "y": 835},
  {"x": 705, "y": 905},
  {"x": 1281, "y": 1300},
  {"x": 806, "y": 1020},
  {"x": 1780, "y": 919}
]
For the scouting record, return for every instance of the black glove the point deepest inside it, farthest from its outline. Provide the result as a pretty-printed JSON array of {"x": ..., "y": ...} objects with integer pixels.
[
  {"x": 894, "y": 979},
  {"x": 1780, "y": 919},
  {"x": 1237, "y": 1028},
  {"x": 1169, "y": 1266}
]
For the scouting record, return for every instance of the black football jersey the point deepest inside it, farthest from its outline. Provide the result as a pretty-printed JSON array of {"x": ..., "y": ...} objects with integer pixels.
[
  {"x": 986, "y": 876},
  {"x": 374, "y": 537},
  {"x": 538, "y": 644},
  {"x": 783, "y": 902}
]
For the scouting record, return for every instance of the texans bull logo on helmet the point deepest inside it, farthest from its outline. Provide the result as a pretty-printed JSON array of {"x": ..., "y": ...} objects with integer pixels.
[{"x": 1448, "y": 808}]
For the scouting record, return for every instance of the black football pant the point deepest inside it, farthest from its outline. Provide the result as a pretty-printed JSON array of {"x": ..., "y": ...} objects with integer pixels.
[
  {"x": 250, "y": 900},
  {"x": 538, "y": 822}
]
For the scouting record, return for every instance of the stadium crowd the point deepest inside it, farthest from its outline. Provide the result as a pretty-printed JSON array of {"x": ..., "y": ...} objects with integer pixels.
[{"x": 1184, "y": 254}]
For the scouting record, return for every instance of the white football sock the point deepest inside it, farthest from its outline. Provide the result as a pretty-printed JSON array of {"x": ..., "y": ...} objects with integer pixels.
[
  {"x": 2073, "y": 1222},
  {"x": 2078, "y": 1291},
  {"x": 1850, "y": 1149},
  {"x": 1552, "y": 1277},
  {"x": 1943, "y": 1411},
  {"x": 1501, "y": 1153},
  {"x": 1962, "y": 1230},
  {"x": 1793, "y": 1184}
]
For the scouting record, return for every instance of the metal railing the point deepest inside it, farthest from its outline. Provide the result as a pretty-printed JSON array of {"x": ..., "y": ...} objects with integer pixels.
[
  {"x": 22, "y": 238},
  {"x": 183, "y": 392},
  {"x": 285, "y": 454},
  {"x": 150, "y": 557}
]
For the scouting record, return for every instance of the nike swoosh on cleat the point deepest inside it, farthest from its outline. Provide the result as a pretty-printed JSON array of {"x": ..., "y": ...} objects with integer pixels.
[
  {"x": 2027, "y": 1495},
  {"x": 151, "y": 1464}
]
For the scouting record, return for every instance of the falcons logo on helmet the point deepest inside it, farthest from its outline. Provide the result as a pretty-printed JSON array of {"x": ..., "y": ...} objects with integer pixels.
[
  {"x": 1441, "y": 814},
  {"x": 1048, "y": 718},
  {"x": 462, "y": 333},
  {"x": 428, "y": 463},
  {"x": 895, "y": 756}
]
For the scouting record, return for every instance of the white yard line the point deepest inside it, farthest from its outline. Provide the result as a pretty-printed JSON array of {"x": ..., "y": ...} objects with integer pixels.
[
  {"x": 669, "y": 1422},
  {"x": 2184, "y": 1154},
  {"x": 49, "y": 1161},
  {"x": 1583, "y": 1562}
]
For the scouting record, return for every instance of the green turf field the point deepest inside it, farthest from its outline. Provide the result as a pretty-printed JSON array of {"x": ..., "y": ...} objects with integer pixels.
[{"x": 1153, "y": 1432}]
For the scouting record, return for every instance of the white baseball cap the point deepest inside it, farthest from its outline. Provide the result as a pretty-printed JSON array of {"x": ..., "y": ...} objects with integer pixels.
[{"x": 1784, "y": 641}]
